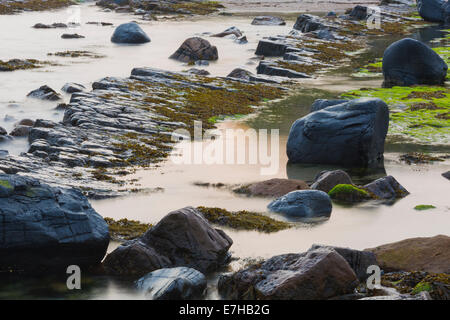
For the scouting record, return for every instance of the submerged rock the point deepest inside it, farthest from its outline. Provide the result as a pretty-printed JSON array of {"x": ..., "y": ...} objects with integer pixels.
[
  {"x": 194, "y": 49},
  {"x": 327, "y": 180},
  {"x": 273, "y": 187},
  {"x": 431, "y": 10},
  {"x": 416, "y": 254},
  {"x": 350, "y": 134},
  {"x": 303, "y": 203},
  {"x": 72, "y": 36},
  {"x": 268, "y": 21},
  {"x": 319, "y": 273},
  {"x": 386, "y": 188},
  {"x": 182, "y": 238},
  {"x": 50, "y": 26},
  {"x": 173, "y": 284},
  {"x": 44, "y": 228},
  {"x": 422, "y": 66},
  {"x": 44, "y": 93},
  {"x": 129, "y": 33}
]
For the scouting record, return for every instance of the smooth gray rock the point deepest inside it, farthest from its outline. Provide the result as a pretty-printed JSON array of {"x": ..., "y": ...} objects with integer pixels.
[
  {"x": 409, "y": 62},
  {"x": 44, "y": 228},
  {"x": 194, "y": 49},
  {"x": 314, "y": 275},
  {"x": 386, "y": 188},
  {"x": 73, "y": 87},
  {"x": 130, "y": 33},
  {"x": 303, "y": 204},
  {"x": 173, "y": 284},
  {"x": 320, "y": 104},
  {"x": 44, "y": 93},
  {"x": 358, "y": 260},
  {"x": 268, "y": 21},
  {"x": 182, "y": 238},
  {"x": 431, "y": 10},
  {"x": 327, "y": 180},
  {"x": 350, "y": 134}
]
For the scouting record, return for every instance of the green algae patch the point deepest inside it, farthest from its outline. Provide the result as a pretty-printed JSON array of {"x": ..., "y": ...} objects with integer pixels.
[
  {"x": 6, "y": 184},
  {"x": 33, "y": 5},
  {"x": 418, "y": 157},
  {"x": 243, "y": 220},
  {"x": 418, "y": 113},
  {"x": 348, "y": 193},
  {"x": 423, "y": 207},
  {"x": 373, "y": 70},
  {"x": 125, "y": 229}
]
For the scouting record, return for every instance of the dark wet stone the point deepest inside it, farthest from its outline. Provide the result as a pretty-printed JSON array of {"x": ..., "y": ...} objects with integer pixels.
[
  {"x": 268, "y": 21},
  {"x": 50, "y": 26},
  {"x": 44, "y": 93},
  {"x": 270, "y": 69},
  {"x": 129, "y": 33},
  {"x": 350, "y": 134},
  {"x": 327, "y": 180},
  {"x": 46, "y": 228},
  {"x": 431, "y": 10},
  {"x": 182, "y": 238},
  {"x": 194, "y": 49},
  {"x": 271, "y": 48},
  {"x": 73, "y": 87},
  {"x": 173, "y": 284},
  {"x": 359, "y": 13},
  {"x": 446, "y": 175},
  {"x": 273, "y": 188},
  {"x": 303, "y": 203},
  {"x": 230, "y": 31},
  {"x": 3, "y": 131},
  {"x": 422, "y": 66},
  {"x": 386, "y": 188},
  {"x": 307, "y": 23},
  {"x": 72, "y": 36},
  {"x": 320, "y": 104},
  {"x": 316, "y": 274},
  {"x": 20, "y": 131},
  {"x": 199, "y": 72}
]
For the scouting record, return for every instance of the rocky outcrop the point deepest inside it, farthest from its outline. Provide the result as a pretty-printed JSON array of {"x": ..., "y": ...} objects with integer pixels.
[
  {"x": 194, "y": 49},
  {"x": 358, "y": 260},
  {"x": 327, "y": 180},
  {"x": 273, "y": 187},
  {"x": 73, "y": 87},
  {"x": 44, "y": 93},
  {"x": 423, "y": 66},
  {"x": 182, "y": 238},
  {"x": 129, "y": 33},
  {"x": 350, "y": 134},
  {"x": 416, "y": 254},
  {"x": 268, "y": 21},
  {"x": 431, "y": 10},
  {"x": 308, "y": 23},
  {"x": 317, "y": 274},
  {"x": 387, "y": 188},
  {"x": 303, "y": 204},
  {"x": 44, "y": 228},
  {"x": 173, "y": 284}
]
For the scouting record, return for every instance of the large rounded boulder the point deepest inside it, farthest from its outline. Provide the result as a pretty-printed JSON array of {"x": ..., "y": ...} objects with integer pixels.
[
  {"x": 349, "y": 134},
  {"x": 129, "y": 33},
  {"x": 431, "y": 10},
  {"x": 194, "y": 49},
  {"x": 303, "y": 204},
  {"x": 409, "y": 62},
  {"x": 46, "y": 228},
  {"x": 183, "y": 238}
]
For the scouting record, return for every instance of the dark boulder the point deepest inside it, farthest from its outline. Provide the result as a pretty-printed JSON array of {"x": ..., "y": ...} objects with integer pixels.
[
  {"x": 350, "y": 134},
  {"x": 194, "y": 49},
  {"x": 173, "y": 284},
  {"x": 316, "y": 274},
  {"x": 320, "y": 104},
  {"x": 409, "y": 62},
  {"x": 73, "y": 87},
  {"x": 431, "y": 10},
  {"x": 303, "y": 204},
  {"x": 129, "y": 33},
  {"x": 240, "y": 73},
  {"x": 44, "y": 228},
  {"x": 3, "y": 132},
  {"x": 268, "y": 21},
  {"x": 386, "y": 188},
  {"x": 307, "y": 23},
  {"x": 72, "y": 36},
  {"x": 270, "y": 48},
  {"x": 270, "y": 69},
  {"x": 20, "y": 131},
  {"x": 44, "y": 93},
  {"x": 358, "y": 260},
  {"x": 446, "y": 175},
  {"x": 446, "y": 12},
  {"x": 230, "y": 31},
  {"x": 359, "y": 13},
  {"x": 182, "y": 238},
  {"x": 327, "y": 180},
  {"x": 273, "y": 188}
]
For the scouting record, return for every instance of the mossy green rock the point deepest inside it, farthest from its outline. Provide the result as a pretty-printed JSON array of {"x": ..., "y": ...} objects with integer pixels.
[{"x": 348, "y": 193}]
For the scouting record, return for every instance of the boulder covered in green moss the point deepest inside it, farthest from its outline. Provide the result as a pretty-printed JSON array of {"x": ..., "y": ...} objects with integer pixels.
[
  {"x": 348, "y": 193},
  {"x": 327, "y": 180}
]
